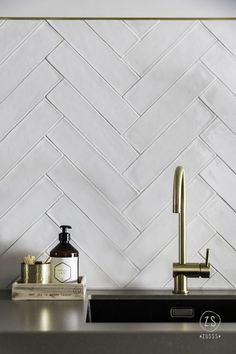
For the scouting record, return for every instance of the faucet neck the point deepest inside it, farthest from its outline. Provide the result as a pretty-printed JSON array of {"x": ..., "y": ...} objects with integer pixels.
[
  {"x": 179, "y": 206},
  {"x": 183, "y": 270}
]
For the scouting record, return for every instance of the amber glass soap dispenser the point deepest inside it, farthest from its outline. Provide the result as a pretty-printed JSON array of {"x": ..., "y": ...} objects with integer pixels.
[{"x": 64, "y": 259}]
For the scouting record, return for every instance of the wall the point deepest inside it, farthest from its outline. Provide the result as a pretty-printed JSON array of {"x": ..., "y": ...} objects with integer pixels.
[
  {"x": 118, "y": 9},
  {"x": 94, "y": 118}
]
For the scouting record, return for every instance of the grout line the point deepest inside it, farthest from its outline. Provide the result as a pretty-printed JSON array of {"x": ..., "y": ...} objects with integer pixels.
[
  {"x": 36, "y": 220},
  {"x": 108, "y": 44},
  {"x": 181, "y": 75},
  {"x": 24, "y": 39},
  {"x": 214, "y": 275},
  {"x": 218, "y": 119},
  {"x": 68, "y": 82},
  {"x": 171, "y": 238},
  {"x": 23, "y": 155},
  {"x": 169, "y": 126},
  {"x": 217, "y": 77},
  {"x": 2, "y": 22},
  {"x": 182, "y": 112},
  {"x": 24, "y": 78},
  {"x": 217, "y": 269},
  {"x": 96, "y": 226},
  {"x": 217, "y": 195},
  {"x": 93, "y": 146},
  {"x": 141, "y": 37},
  {"x": 219, "y": 40},
  {"x": 86, "y": 99},
  {"x": 28, "y": 111},
  {"x": 167, "y": 206},
  {"x": 76, "y": 50},
  {"x": 150, "y": 183},
  {"x": 224, "y": 162},
  {"x": 27, "y": 188},
  {"x": 31, "y": 70},
  {"x": 166, "y": 52},
  {"x": 91, "y": 183}
]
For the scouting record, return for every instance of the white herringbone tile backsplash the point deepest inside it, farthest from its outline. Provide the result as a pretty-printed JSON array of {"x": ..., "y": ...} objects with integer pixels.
[{"x": 94, "y": 118}]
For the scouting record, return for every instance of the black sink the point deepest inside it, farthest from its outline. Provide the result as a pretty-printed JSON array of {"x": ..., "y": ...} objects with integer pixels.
[{"x": 160, "y": 308}]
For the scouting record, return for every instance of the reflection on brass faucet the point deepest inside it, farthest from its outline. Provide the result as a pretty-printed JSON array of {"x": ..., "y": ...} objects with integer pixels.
[{"x": 182, "y": 270}]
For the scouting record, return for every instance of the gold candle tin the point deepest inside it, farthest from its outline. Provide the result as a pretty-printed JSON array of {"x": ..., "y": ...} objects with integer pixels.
[{"x": 35, "y": 273}]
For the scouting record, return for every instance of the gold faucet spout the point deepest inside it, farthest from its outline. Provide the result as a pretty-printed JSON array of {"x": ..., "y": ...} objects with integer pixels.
[
  {"x": 179, "y": 190},
  {"x": 183, "y": 270},
  {"x": 179, "y": 206}
]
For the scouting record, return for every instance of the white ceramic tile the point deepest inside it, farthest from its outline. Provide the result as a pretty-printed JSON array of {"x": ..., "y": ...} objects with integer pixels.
[
  {"x": 222, "y": 258},
  {"x": 115, "y": 33},
  {"x": 158, "y": 272},
  {"x": 93, "y": 126},
  {"x": 199, "y": 193},
  {"x": 152, "y": 47},
  {"x": 27, "y": 56},
  {"x": 159, "y": 193},
  {"x": 217, "y": 281},
  {"x": 222, "y": 180},
  {"x": 166, "y": 110},
  {"x": 93, "y": 204},
  {"x": 26, "y": 173},
  {"x": 27, "y": 96},
  {"x": 169, "y": 69},
  {"x": 103, "y": 142},
  {"x": 96, "y": 278},
  {"x": 225, "y": 31},
  {"x": 153, "y": 239},
  {"x": 222, "y": 141},
  {"x": 29, "y": 208},
  {"x": 93, "y": 87},
  {"x": 223, "y": 64},
  {"x": 141, "y": 27},
  {"x": 165, "y": 149},
  {"x": 34, "y": 126},
  {"x": 222, "y": 102},
  {"x": 151, "y": 277},
  {"x": 93, "y": 242},
  {"x": 222, "y": 218},
  {"x": 99, "y": 55},
  {"x": 33, "y": 241},
  {"x": 198, "y": 233},
  {"x": 196, "y": 111},
  {"x": 92, "y": 164},
  {"x": 12, "y": 33},
  {"x": 164, "y": 227}
]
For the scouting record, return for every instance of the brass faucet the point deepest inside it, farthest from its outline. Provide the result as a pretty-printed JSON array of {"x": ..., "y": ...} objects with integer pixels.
[{"x": 182, "y": 270}]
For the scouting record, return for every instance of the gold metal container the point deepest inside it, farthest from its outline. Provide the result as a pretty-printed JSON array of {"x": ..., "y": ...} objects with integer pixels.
[{"x": 35, "y": 273}]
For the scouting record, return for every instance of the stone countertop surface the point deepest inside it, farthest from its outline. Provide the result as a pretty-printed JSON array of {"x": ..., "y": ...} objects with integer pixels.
[{"x": 60, "y": 326}]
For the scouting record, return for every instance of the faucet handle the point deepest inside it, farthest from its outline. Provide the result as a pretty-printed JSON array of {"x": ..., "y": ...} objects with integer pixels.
[
  {"x": 207, "y": 257},
  {"x": 205, "y": 267}
]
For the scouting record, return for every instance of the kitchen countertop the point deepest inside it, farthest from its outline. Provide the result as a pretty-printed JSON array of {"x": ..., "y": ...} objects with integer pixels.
[{"x": 60, "y": 326}]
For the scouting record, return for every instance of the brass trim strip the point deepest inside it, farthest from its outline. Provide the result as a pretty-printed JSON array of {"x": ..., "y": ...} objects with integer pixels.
[{"x": 115, "y": 18}]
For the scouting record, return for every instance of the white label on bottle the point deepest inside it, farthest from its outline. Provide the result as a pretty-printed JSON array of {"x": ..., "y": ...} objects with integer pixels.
[{"x": 64, "y": 270}]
